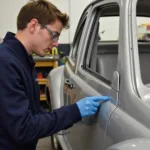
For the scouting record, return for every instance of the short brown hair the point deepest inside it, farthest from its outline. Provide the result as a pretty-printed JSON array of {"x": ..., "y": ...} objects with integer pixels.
[{"x": 42, "y": 10}]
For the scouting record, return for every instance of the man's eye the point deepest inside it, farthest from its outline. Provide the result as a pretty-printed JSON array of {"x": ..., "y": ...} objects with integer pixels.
[{"x": 55, "y": 35}]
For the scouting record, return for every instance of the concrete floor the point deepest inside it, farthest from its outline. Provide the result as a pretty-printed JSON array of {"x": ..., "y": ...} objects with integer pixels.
[{"x": 44, "y": 144}]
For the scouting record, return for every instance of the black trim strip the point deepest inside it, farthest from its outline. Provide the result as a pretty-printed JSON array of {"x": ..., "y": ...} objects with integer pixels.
[{"x": 97, "y": 75}]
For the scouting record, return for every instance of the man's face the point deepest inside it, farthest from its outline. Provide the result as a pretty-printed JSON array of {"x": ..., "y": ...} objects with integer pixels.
[{"x": 46, "y": 37}]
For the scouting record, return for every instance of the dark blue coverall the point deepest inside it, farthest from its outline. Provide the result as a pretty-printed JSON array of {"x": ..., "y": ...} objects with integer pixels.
[{"x": 22, "y": 120}]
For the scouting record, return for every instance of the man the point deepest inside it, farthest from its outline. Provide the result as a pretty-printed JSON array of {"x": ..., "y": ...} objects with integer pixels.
[{"x": 22, "y": 120}]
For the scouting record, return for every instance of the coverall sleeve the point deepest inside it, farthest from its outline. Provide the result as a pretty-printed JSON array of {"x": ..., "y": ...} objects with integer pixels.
[
  {"x": 42, "y": 110},
  {"x": 16, "y": 116}
]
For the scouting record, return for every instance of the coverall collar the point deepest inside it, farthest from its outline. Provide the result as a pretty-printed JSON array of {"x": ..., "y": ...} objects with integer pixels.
[{"x": 18, "y": 48}]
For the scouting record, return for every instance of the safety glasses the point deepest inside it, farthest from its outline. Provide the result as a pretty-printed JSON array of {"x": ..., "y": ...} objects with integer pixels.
[{"x": 54, "y": 35}]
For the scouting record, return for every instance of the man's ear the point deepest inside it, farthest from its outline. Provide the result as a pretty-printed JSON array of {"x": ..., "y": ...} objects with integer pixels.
[{"x": 32, "y": 26}]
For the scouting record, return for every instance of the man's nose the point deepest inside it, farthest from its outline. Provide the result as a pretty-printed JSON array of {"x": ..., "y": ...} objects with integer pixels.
[{"x": 55, "y": 44}]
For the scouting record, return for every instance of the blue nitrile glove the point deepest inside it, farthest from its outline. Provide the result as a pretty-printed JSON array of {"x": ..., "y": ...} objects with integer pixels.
[{"x": 88, "y": 106}]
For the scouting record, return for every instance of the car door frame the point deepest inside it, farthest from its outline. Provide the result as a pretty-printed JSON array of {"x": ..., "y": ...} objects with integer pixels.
[
  {"x": 70, "y": 66},
  {"x": 79, "y": 69}
]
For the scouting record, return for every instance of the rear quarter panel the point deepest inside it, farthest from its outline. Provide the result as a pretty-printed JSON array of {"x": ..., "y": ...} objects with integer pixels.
[{"x": 55, "y": 86}]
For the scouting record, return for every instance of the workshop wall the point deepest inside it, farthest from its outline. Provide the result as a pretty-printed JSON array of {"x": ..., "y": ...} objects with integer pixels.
[
  {"x": 9, "y": 10},
  {"x": 8, "y": 13}
]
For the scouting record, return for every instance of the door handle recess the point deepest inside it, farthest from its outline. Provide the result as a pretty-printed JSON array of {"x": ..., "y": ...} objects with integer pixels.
[{"x": 68, "y": 83}]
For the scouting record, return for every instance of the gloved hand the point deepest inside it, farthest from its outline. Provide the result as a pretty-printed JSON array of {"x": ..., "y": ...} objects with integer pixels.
[{"x": 88, "y": 106}]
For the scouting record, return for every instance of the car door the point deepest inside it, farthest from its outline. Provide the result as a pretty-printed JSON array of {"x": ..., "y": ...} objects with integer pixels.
[
  {"x": 95, "y": 74},
  {"x": 70, "y": 66}
]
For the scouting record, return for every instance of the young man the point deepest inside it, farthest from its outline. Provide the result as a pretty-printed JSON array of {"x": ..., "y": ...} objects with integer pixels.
[{"x": 22, "y": 120}]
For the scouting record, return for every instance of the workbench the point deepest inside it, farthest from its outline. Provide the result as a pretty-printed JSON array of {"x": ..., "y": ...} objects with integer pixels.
[{"x": 49, "y": 61}]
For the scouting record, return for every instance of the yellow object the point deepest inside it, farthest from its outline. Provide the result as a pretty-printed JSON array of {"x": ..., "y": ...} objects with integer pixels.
[
  {"x": 145, "y": 24},
  {"x": 54, "y": 51},
  {"x": 42, "y": 97},
  {"x": 42, "y": 64},
  {"x": 47, "y": 53},
  {"x": 45, "y": 64},
  {"x": 42, "y": 81}
]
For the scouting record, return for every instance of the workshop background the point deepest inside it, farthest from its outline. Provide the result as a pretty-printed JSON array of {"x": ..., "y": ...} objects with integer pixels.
[{"x": 9, "y": 10}]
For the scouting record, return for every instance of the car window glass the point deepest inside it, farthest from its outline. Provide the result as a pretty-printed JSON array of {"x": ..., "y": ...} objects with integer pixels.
[
  {"x": 77, "y": 42},
  {"x": 143, "y": 38},
  {"x": 143, "y": 29},
  {"x": 107, "y": 30},
  {"x": 102, "y": 57}
]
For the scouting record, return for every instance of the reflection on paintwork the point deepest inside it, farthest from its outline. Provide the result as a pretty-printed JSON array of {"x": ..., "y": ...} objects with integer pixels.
[
  {"x": 133, "y": 144},
  {"x": 117, "y": 117}
]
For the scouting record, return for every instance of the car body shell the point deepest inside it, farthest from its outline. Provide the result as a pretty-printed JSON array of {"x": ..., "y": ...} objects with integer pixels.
[{"x": 123, "y": 122}]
